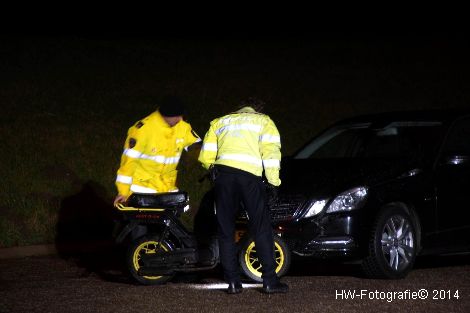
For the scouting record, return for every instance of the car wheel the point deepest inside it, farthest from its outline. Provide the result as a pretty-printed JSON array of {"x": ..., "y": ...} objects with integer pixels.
[
  {"x": 251, "y": 266},
  {"x": 141, "y": 246},
  {"x": 392, "y": 245}
]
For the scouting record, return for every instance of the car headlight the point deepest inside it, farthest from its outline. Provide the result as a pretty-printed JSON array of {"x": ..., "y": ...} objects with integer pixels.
[
  {"x": 349, "y": 200},
  {"x": 315, "y": 207}
]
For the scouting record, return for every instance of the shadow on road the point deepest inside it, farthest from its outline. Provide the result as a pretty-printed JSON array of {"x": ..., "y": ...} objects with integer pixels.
[
  {"x": 318, "y": 267},
  {"x": 305, "y": 266},
  {"x": 85, "y": 231},
  {"x": 442, "y": 261}
]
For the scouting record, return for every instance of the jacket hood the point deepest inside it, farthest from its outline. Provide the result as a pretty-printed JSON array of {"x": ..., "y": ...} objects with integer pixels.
[
  {"x": 246, "y": 109},
  {"x": 157, "y": 118}
]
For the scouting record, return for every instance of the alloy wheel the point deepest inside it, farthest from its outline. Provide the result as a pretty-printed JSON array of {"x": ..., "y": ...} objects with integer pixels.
[{"x": 398, "y": 244}]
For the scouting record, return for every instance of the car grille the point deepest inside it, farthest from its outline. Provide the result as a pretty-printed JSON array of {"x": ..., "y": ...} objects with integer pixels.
[{"x": 284, "y": 209}]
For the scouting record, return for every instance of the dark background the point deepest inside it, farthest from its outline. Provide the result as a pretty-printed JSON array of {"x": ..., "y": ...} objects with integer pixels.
[
  {"x": 69, "y": 94},
  {"x": 308, "y": 78}
]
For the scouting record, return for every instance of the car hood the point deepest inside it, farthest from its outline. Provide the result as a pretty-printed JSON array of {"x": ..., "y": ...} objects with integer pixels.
[{"x": 326, "y": 178}]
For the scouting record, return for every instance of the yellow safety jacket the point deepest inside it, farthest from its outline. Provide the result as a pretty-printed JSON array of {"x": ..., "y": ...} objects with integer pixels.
[
  {"x": 246, "y": 140},
  {"x": 151, "y": 154}
]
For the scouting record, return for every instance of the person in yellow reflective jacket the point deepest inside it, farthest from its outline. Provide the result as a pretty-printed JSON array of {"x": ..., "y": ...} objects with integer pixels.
[
  {"x": 246, "y": 140},
  {"x": 237, "y": 148},
  {"x": 152, "y": 151}
]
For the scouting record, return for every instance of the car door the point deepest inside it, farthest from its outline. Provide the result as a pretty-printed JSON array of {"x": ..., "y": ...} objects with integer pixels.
[{"x": 453, "y": 186}]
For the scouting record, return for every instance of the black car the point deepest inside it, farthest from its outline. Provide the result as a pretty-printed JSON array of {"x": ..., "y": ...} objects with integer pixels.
[{"x": 381, "y": 189}]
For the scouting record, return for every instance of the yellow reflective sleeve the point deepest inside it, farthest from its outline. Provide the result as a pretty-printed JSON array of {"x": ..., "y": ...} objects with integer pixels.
[
  {"x": 270, "y": 149},
  {"x": 208, "y": 152},
  {"x": 135, "y": 143},
  {"x": 191, "y": 137}
]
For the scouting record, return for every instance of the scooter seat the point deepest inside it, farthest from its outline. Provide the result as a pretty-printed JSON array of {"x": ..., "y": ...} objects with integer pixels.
[{"x": 165, "y": 200}]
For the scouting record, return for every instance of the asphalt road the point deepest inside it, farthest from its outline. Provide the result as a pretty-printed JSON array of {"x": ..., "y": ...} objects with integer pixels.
[{"x": 53, "y": 284}]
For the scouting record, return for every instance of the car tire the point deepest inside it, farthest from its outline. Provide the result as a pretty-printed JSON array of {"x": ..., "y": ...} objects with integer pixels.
[
  {"x": 251, "y": 266},
  {"x": 145, "y": 245},
  {"x": 392, "y": 245}
]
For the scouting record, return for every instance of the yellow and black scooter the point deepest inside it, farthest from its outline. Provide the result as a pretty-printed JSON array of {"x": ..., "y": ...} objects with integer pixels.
[{"x": 159, "y": 245}]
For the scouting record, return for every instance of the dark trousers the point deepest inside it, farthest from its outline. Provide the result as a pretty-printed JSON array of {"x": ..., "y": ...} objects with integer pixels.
[{"x": 232, "y": 187}]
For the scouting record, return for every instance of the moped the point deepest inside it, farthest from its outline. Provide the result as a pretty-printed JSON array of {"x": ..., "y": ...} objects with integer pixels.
[{"x": 159, "y": 245}]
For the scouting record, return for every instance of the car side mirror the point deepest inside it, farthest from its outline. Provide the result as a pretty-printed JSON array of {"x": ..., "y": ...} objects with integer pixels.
[{"x": 455, "y": 159}]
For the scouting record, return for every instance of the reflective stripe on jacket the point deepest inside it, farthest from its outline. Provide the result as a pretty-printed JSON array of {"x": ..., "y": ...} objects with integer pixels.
[
  {"x": 151, "y": 154},
  {"x": 246, "y": 140}
]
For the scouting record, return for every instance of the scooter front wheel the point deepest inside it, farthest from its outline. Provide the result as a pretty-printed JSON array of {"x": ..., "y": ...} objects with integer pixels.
[
  {"x": 141, "y": 246},
  {"x": 251, "y": 266}
]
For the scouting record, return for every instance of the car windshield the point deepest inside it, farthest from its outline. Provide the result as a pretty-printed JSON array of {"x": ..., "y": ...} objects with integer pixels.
[{"x": 366, "y": 140}]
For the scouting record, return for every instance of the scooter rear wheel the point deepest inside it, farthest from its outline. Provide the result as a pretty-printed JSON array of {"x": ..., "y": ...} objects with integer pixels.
[
  {"x": 141, "y": 246},
  {"x": 251, "y": 265}
]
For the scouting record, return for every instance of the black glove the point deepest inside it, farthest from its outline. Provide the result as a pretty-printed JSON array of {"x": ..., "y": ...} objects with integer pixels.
[
  {"x": 272, "y": 193},
  {"x": 212, "y": 173}
]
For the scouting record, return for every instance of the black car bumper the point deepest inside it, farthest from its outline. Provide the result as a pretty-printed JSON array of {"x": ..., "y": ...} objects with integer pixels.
[
  {"x": 329, "y": 247},
  {"x": 327, "y": 236}
]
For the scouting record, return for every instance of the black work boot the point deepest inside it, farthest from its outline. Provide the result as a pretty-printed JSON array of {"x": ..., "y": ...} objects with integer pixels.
[
  {"x": 275, "y": 287},
  {"x": 234, "y": 288}
]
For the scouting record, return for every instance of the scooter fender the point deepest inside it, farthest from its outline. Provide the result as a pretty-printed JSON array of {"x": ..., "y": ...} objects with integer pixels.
[{"x": 126, "y": 230}]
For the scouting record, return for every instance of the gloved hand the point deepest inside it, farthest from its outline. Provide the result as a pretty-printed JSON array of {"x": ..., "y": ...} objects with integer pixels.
[
  {"x": 272, "y": 193},
  {"x": 119, "y": 199},
  {"x": 212, "y": 173}
]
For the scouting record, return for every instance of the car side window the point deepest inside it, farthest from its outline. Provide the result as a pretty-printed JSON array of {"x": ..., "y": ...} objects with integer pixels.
[
  {"x": 343, "y": 145},
  {"x": 458, "y": 140}
]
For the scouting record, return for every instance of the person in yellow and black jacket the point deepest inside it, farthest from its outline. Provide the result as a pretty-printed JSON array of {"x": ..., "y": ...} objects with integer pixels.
[
  {"x": 237, "y": 148},
  {"x": 152, "y": 151}
]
